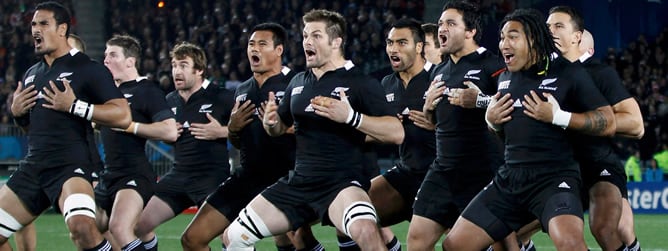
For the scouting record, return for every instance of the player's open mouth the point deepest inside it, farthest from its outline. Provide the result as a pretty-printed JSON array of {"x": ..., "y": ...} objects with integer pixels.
[
  {"x": 38, "y": 40},
  {"x": 309, "y": 53},
  {"x": 255, "y": 59},
  {"x": 395, "y": 61},
  {"x": 443, "y": 38},
  {"x": 507, "y": 57}
]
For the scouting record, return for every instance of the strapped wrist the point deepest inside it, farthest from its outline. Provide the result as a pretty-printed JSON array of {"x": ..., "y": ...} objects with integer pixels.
[
  {"x": 561, "y": 118},
  {"x": 482, "y": 101},
  {"x": 82, "y": 109}
]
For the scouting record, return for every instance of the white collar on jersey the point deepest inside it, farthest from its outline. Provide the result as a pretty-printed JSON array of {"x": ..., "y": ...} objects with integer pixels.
[
  {"x": 140, "y": 78},
  {"x": 205, "y": 83},
  {"x": 349, "y": 65},
  {"x": 481, "y": 49},
  {"x": 285, "y": 70},
  {"x": 427, "y": 66},
  {"x": 74, "y": 51},
  {"x": 584, "y": 57}
]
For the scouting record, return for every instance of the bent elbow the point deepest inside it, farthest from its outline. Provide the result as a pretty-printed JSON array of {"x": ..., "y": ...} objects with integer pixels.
[
  {"x": 637, "y": 134},
  {"x": 398, "y": 137}
]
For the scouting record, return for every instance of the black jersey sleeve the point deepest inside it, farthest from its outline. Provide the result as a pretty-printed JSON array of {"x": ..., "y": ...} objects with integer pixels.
[
  {"x": 372, "y": 97},
  {"x": 100, "y": 87},
  {"x": 585, "y": 95},
  {"x": 156, "y": 104},
  {"x": 226, "y": 98},
  {"x": 284, "y": 106},
  {"x": 610, "y": 85}
]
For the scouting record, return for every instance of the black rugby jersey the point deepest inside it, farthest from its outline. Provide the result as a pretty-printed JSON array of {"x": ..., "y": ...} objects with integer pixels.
[
  {"x": 461, "y": 133},
  {"x": 324, "y": 146},
  {"x": 61, "y": 135},
  {"x": 260, "y": 153},
  {"x": 591, "y": 148},
  {"x": 194, "y": 154},
  {"x": 147, "y": 104},
  {"x": 418, "y": 150},
  {"x": 529, "y": 141}
]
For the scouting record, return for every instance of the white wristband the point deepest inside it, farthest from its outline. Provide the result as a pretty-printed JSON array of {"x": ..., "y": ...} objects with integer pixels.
[
  {"x": 351, "y": 114},
  {"x": 561, "y": 119},
  {"x": 136, "y": 127},
  {"x": 89, "y": 117}
]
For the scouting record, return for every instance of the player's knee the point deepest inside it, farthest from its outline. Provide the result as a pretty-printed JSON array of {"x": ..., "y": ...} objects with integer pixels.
[
  {"x": 359, "y": 210},
  {"x": 245, "y": 231},
  {"x": 8, "y": 225},
  {"x": 119, "y": 228},
  {"x": 190, "y": 240},
  {"x": 79, "y": 204}
]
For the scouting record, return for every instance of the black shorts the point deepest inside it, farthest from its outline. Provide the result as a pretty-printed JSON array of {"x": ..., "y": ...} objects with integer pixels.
[
  {"x": 39, "y": 184},
  {"x": 520, "y": 195},
  {"x": 407, "y": 183},
  {"x": 609, "y": 170},
  {"x": 444, "y": 194},
  {"x": 305, "y": 199},
  {"x": 142, "y": 180},
  {"x": 235, "y": 193},
  {"x": 181, "y": 190}
]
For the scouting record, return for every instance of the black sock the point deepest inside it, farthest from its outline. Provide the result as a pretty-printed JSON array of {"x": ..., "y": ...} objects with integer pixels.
[
  {"x": 103, "y": 246},
  {"x": 394, "y": 245},
  {"x": 151, "y": 245},
  {"x": 135, "y": 245},
  {"x": 285, "y": 248},
  {"x": 635, "y": 246},
  {"x": 530, "y": 246},
  {"x": 347, "y": 244}
]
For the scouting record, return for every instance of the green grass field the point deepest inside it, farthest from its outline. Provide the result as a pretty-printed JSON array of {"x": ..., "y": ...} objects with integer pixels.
[{"x": 652, "y": 231}]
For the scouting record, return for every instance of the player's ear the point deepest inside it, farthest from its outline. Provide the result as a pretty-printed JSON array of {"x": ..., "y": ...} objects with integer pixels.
[{"x": 279, "y": 49}]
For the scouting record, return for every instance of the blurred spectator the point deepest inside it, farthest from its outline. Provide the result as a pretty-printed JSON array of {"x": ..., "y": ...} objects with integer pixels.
[
  {"x": 653, "y": 173},
  {"x": 632, "y": 167}
]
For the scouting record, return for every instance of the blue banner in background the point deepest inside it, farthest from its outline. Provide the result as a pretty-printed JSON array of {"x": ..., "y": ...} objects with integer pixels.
[{"x": 648, "y": 197}]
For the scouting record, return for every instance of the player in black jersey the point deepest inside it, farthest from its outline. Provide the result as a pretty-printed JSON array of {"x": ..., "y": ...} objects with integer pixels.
[
  {"x": 393, "y": 192},
  {"x": 540, "y": 179},
  {"x": 126, "y": 184},
  {"x": 264, "y": 159},
  {"x": 466, "y": 152},
  {"x": 56, "y": 101},
  {"x": 200, "y": 152},
  {"x": 333, "y": 107}
]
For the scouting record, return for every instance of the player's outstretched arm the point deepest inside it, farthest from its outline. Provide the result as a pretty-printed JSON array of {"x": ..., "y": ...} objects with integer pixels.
[
  {"x": 164, "y": 130},
  {"x": 629, "y": 119}
]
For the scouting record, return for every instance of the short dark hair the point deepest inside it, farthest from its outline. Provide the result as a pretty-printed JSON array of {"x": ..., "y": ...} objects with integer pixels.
[
  {"x": 60, "y": 13},
  {"x": 186, "y": 49},
  {"x": 280, "y": 35},
  {"x": 79, "y": 42},
  {"x": 535, "y": 30},
  {"x": 471, "y": 15},
  {"x": 334, "y": 22},
  {"x": 576, "y": 18},
  {"x": 414, "y": 26},
  {"x": 432, "y": 29},
  {"x": 131, "y": 46}
]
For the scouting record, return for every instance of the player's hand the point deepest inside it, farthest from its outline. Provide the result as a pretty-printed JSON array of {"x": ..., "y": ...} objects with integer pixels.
[
  {"x": 464, "y": 97},
  {"x": 241, "y": 116},
  {"x": 23, "y": 100},
  {"x": 420, "y": 120},
  {"x": 59, "y": 100},
  {"x": 333, "y": 109},
  {"x": 260, "y": 110},
  {"x": 498, "y": 111},
  {"x": 434, "y": 95},
  {"x": 536, "y": 108},
  {"x": 209, "y": 131},
  {"x": 270, "y": 117},
  {"x": 179, "y": 129}
]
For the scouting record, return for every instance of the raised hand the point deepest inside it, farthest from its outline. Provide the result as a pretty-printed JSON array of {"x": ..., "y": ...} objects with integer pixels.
[
  {"x": 59, "y": 100},
  {"x": 241, "y": 116},
  {"x": 23, "y": 100}
]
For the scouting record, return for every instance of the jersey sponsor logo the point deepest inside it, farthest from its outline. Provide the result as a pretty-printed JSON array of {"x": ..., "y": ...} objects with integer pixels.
[
  {"x": 504, "y": 84},
  {"x": 279, "y": 95},
  {"x": 79, "y": 171},
  {"x": 545, "y": 84},
  {"x": 564, "y": 185},
  {"x": 29, "y": 80},
  {"x": 605, "y": 173},
  {"x": 40, "y": 95},
  {"x": 127, "y": 95},
  {"x": 241, "y": 97},
  {"x": 470, "y": 73},
  {"x": 337, "y": 90},
  {"x": 174, "y": 110},
  {"x": 389, "y": 97},
  {"x": 64, "y": 75},
  {"x": 131, "y": 183},
  {"x": 297, "y": 90},
  {"x": 517, "y": 103},
  {"x": 309, "y": 108},
  {"x": 405, "y": 111},
  {"x": 205, "y": 108},
  {"x": 356, "y": 183},
  {"x": 186, "y": 124}
]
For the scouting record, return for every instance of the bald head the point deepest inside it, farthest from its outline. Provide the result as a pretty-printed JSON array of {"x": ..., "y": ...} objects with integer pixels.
[{"x": 587, "y": 43}]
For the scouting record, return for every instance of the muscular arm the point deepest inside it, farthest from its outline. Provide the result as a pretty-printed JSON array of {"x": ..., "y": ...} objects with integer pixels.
[
  {"x": 385, "y": 129},
  {"x": 628, "y": 119},
  {"x": 161, "y": 130},
  {"x": 113, "y": 113},
  {"x": 599, "y": 122}
]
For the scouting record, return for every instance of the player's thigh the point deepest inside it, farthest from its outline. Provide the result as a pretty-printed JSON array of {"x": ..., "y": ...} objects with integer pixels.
[
  {"x": 127, "y": 208},
  {"x": 385, "y": 198},
  {"x": 206, "y": 225},
  {"x": 75, "y": 185},
  {"x": 273, "y": 218},
  {"x": 343, "y": 201},
  {"x": 10, "y": 203}
]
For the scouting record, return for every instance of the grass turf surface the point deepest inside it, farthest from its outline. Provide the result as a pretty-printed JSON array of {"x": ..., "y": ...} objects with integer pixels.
[{"x": 652, "y": 232}]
